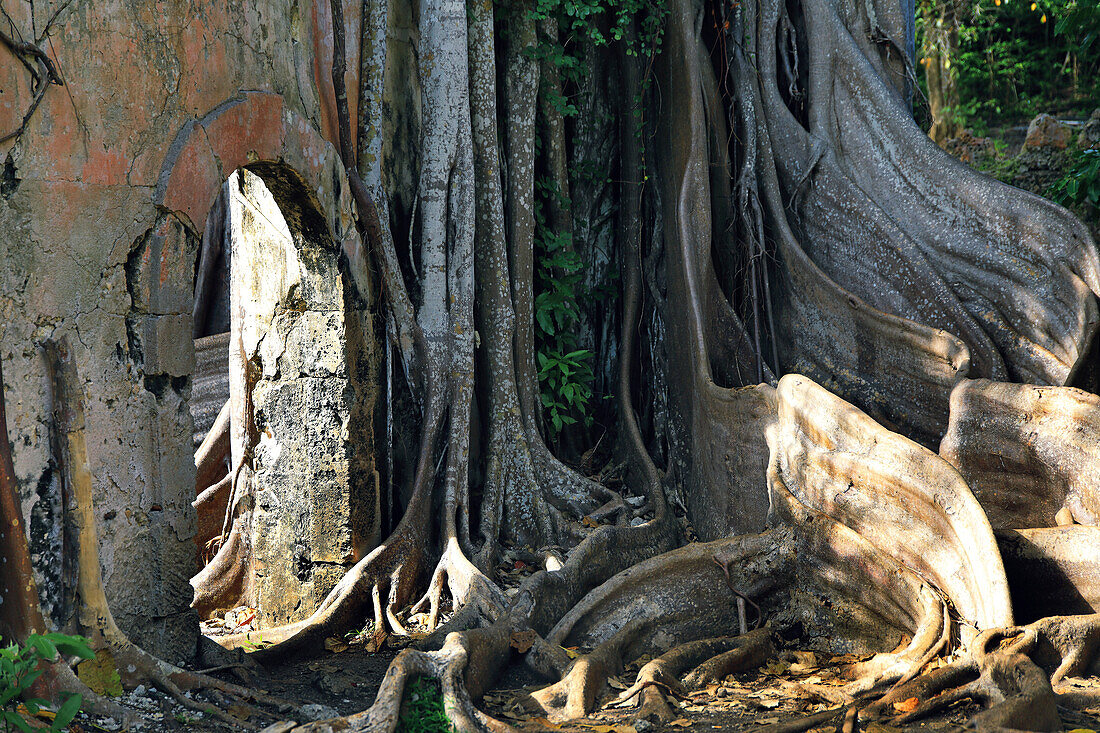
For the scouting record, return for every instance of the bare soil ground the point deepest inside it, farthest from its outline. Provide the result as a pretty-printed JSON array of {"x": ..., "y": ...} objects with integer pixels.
[{"x": 343, "y": 678}]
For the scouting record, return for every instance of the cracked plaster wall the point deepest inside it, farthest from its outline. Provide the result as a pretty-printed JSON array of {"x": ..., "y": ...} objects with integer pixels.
[{"x": 101, "y": 200}]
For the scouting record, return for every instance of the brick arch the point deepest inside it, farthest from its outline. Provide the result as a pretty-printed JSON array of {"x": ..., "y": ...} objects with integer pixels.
[
  {"x": 256, "y": 131},
  {"x": 253, "y": 127}
]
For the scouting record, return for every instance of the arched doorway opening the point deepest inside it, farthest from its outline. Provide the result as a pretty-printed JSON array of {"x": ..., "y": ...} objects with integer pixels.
[{"x": 282, "y": 399}]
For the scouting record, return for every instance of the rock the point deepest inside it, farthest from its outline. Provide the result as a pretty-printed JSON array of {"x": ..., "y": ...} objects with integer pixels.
[
  {"x": 1047, "y": 132},
  {"x": 642, "y": 725},
  {"x": 1090, "y": 134},
  {"x": 968, "y": 148},
  {"x": 634, "y": 501},
  {"x": 335, "y": 682},
  {"x": 314, "y": 711},
  {"x": 637, "y": 522}
]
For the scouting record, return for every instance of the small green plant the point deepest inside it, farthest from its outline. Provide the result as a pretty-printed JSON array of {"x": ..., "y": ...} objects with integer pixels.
[
  {"x": 20, "y": 667},
  {"x": 254, "y": 642},
  {"x": 565, "y": 374},
  {"x": 567, "y": 386},
  {"x": 1080, "y": 185},
  {"x": 422, "y": 708}
]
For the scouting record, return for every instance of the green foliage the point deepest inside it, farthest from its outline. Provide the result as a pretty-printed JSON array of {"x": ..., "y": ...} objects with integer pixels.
[
  {"x": 566, "y": 381},
  {"x": 19, "y": 668},
  {"x": 637, "y": 23},
  {"x": 564, "y": 368},
  {"x": 999, "y": 167},
  {"x": 422, "y": 708},
  {"x": 564, "y": 371},
  {"x": 1079, "y": 187},
  {"x": 1017, "y": 58}
]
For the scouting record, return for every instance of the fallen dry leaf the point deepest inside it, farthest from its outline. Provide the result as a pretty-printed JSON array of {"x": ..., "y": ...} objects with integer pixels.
[
  {"x": 33, "y": 721},
  {"x": 617, "y": 683},
  {"x": 335, "y": 645},
  {"x": 101, "y": 674},
  {"x": 240, "y": 712},
  {"x": 522, "y": 640},
  {"x": 776, "y": 667},
  {"x": 571, "y": 651},
  {"x": 907, "y": 706},
  {"x": 545, "y": 723},
  {"x": 769, "y": 704},
  {"x": 375, "y": 642},
  {"x": 680, "y": 722},
  {"x": 587, "y": 521},
  {"x": 766, "y": 721}
]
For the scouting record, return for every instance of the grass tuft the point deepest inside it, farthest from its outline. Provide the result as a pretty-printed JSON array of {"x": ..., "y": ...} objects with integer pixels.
[{"x": 422, "y": 708}]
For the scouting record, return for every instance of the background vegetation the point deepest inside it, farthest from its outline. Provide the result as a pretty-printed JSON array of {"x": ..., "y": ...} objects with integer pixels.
[{"x": 1009, "y": 59}]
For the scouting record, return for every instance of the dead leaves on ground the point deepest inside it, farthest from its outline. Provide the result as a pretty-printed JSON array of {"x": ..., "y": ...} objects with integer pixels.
[
  {"x": 100, "y": 674},
  {"x": 907, "y": 706},
  {"x": 522, "y": 640}
]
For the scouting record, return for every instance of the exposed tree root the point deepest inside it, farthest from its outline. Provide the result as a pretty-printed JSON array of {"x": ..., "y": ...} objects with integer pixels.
[
  {"x": 896, "y": 341},
  {"x": 1027, "y": 452},
  {"x": 709, "y": 660},
  {"x": 224, "y": 581},
  {"x": 211, "y": 457},
  {"x": 1011, "y": 671}
]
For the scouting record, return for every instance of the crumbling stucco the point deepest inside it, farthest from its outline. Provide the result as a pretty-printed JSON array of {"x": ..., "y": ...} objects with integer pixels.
[{"x": 102, "y": 202}]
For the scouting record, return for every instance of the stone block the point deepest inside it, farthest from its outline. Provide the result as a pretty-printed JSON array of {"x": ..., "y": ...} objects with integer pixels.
[{"x": 1047, "y": 132}]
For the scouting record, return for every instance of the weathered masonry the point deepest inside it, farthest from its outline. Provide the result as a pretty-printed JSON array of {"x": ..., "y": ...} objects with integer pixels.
[{"x": 104, "y": 201}]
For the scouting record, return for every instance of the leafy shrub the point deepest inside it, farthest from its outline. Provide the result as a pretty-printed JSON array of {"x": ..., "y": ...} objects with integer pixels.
[
  {"x": 564, "y": 372},
  {"x": 1079, "y": 187},
  {"x": 1017, "y": 58},
  {"x": 19, "y": 668}
]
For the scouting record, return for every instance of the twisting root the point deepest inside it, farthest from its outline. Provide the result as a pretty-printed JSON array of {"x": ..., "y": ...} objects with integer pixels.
[
  {"x": 712, "y": 660},
  {"x": 1010, "y": 670}
]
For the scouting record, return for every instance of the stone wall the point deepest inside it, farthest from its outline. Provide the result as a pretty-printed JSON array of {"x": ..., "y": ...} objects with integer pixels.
[
  {"x": 296, "y": 377},
  {"x": 102, "y": 205}
]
